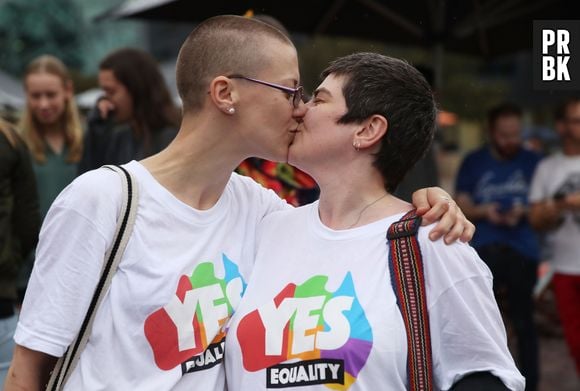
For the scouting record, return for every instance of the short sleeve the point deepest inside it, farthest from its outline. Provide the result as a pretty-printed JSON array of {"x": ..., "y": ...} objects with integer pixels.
[
  {"x": 74, "y": 238},
  {"x": 467, "y": 331},
  {"x": 538, "y": 190}
]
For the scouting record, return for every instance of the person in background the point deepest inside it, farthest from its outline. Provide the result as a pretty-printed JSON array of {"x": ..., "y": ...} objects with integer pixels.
[
  {"x": 19, "y": 226},
  {"x": 51, "y": 127},
  {"x": 136, "y": 118},
  {"x": 319, "y": 311},
  {"x": 492, "y": 188},
  {"x": 555, "y": 212}
]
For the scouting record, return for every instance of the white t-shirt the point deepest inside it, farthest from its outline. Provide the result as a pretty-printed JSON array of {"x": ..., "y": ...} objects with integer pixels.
[
  {"x": 320, "y": 309},
  {"x": 160, "y": 326},
  {"x": 560, "y": 174}
]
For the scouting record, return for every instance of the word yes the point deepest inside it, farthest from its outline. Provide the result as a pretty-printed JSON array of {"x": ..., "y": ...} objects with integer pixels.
[{"x": 306, "y": 313}]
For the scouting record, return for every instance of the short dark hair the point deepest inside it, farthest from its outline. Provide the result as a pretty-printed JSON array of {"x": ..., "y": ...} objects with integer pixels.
[
  {"x": 503, "y": 110},
  {"x": 562, "y": 109},
  {"x": 221, "y": 45},
  {"x": 378, "y": 84},
  {"x": 153, "y": 106}
]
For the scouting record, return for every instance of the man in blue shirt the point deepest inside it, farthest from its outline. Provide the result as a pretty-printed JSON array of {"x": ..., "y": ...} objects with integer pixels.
[{"x": 492, "y": 189}]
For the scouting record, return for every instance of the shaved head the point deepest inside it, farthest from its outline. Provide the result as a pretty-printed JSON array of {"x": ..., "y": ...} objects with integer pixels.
[{"x": 221, "y": 46}]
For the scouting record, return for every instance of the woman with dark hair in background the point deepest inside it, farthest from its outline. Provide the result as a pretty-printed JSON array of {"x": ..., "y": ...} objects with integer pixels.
[
  {"x": 19, "y": 225},
  {"x": 136, "y": 117}
]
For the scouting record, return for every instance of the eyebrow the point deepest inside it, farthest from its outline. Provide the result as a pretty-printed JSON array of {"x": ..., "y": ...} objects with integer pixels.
[{"x": 321, "y": 90}]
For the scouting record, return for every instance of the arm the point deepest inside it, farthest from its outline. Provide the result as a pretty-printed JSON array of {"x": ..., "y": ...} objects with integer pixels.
[
  {"x": 477, "y": 212},
  {"x": 467, "y": 332},
  {"x": 76, "y": 233},
  {"x": 433, "y": 204},
  {"x": 547, "y": 214},
  {"x": 479, "y": 381},
  {"x": 26, "y": 215},
  {"x": 97, "y": 136},
  {"x": 29, "y": 370}
]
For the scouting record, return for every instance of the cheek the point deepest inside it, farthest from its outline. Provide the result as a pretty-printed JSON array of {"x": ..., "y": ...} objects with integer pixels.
[
  {"x": 126, "y": 103},
  {"x": 33, "y": 104},
  {"x": 59, "y": 103}
]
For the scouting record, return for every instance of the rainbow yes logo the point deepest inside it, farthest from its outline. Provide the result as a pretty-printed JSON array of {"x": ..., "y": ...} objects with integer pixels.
[
  {"x": 189, "y": 329},
  {"x": 325, "y": 334}
]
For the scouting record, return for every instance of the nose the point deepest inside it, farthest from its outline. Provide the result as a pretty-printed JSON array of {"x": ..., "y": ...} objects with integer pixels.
[
  {"x": 300, "y": 111},
  {"x": 43, "y": 102}
]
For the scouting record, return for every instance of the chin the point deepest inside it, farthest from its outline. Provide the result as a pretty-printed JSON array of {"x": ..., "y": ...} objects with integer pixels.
[
  {"x": 293, "y": 161},
  {"x": 47, "y": 121}
]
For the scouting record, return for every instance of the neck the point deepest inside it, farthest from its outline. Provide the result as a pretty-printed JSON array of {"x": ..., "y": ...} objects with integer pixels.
[
  {"x": 52, "y": 130},
  {"x": 363, "y": 201},
  {"x": 197, "y": 165},
  {"x": 54, "y": 137}
]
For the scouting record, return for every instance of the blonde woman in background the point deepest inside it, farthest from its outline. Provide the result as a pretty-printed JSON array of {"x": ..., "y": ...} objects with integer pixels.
[{"x": 51, "y": 128}]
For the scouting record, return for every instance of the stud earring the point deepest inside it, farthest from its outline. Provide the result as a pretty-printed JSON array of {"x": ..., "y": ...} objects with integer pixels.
[
  {"x": 231, "y": 110},
  {"x": 356, "y": 145}
]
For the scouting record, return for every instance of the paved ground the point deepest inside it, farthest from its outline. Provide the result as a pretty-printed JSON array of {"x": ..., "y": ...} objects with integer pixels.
[
  {"x": 557, "y": 371},
  {"x": 557, "y": 368}
]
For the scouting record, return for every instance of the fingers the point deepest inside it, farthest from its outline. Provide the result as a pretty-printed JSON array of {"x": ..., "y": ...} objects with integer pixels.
[
  {"x": 468, "y": 232},
  {"x": 439, "y": 210},
  {"x": 444, "y": 213},
  {"x": 452, "y": 224},
  {"x": 105, "y": 107},
  {"x": 420, "y": 201},
  {"x": 456, "y": 231}
]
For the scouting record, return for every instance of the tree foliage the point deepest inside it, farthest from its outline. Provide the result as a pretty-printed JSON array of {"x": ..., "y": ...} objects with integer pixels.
[{"x": 31, "y": 28}]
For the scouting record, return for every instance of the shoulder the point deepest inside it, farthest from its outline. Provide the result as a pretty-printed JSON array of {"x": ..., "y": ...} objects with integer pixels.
[
  {"x": 549, "y": 163},
  {"x": 247, "y": 190},
  {"x": 92, "y": 192},
  {"x": 288, "y": 214},
  {"x": 478, "y": 153},
  {"x": 284, "y": 222},
  {"x": 475, "y": 158},
  {"x": 448, "y": 264},
  {"x": 531, "y": 156}
]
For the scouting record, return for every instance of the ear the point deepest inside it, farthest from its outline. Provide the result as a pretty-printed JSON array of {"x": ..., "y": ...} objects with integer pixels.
[
  {"x": 223, "y": 93},
  {"x": 371, "y": 132}
]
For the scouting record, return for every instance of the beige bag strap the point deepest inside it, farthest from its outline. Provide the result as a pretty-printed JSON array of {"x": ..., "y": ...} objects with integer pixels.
[{"x": 67, "y": 363}]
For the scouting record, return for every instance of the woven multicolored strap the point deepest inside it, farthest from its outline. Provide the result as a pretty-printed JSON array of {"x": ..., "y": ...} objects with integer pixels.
[{"x": 406, "y": 265}]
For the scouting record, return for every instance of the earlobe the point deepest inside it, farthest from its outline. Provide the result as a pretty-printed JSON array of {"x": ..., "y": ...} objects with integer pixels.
[{"x": 223, "y": 94}]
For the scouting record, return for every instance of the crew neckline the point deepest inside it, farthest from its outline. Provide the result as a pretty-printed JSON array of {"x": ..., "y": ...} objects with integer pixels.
[
  {"x": 179, "y": 208},
  {"x": 318, "y": 228}
]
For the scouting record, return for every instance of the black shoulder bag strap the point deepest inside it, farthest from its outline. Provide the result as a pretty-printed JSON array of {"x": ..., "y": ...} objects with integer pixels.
[{"x": 66, "y": 364}]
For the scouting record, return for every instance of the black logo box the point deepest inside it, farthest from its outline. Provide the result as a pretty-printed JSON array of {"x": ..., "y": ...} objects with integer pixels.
[{"x": 573, "y": 63}]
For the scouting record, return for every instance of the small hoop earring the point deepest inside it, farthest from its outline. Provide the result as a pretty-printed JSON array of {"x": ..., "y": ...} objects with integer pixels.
[
  {"x": 231, "y": 110},
  {"x": 356, "y": 145}
]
